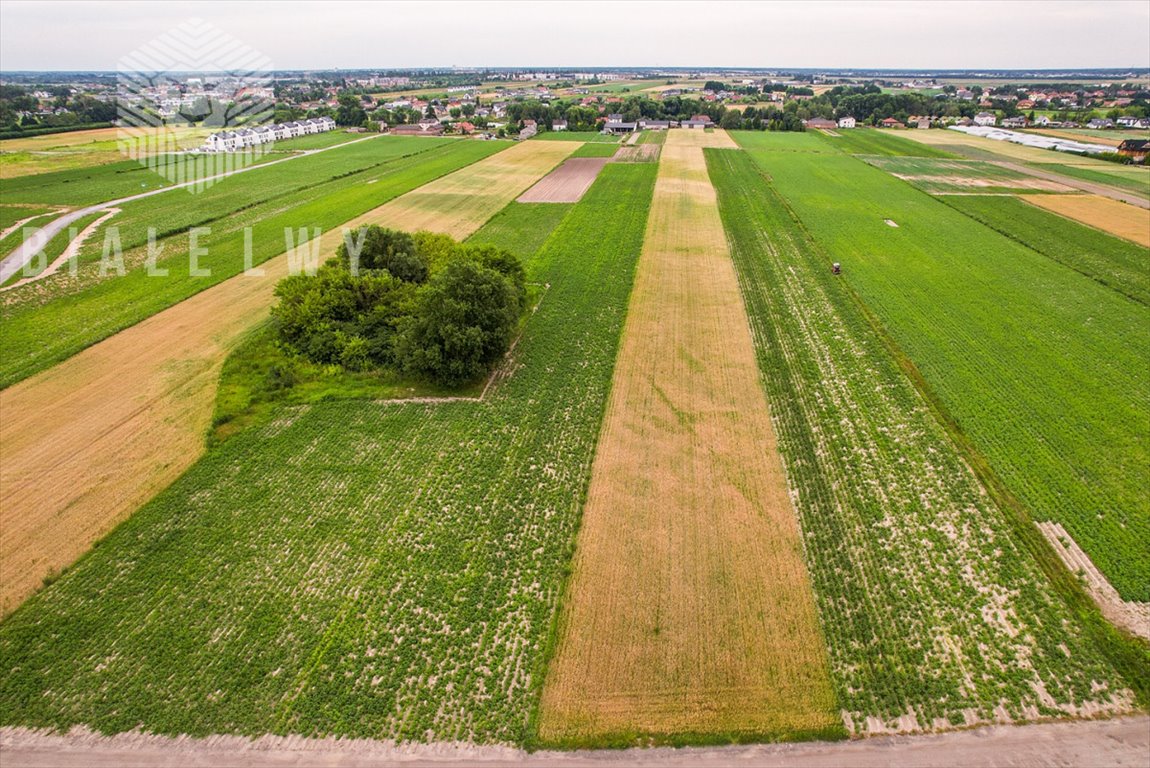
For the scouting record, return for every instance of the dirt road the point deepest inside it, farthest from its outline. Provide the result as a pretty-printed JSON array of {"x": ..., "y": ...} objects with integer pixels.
[{"x": 1109, "y": 743}]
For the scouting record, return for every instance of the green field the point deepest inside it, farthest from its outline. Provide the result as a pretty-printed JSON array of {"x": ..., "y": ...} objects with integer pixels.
[
  {"x": 356, "y": 568},
  {"x": 596, "y": 149},
  {"x": 1128, "y": 177},
  {"x": 587, "y": 136},
  {"x": 1112, "y": 261},
  {"x": 943, "y": 176},
  {"x": 928, "y": 602},
  {"x": 873, "y": 141},
  {"x": 100, "y": 307},
  {"x": 1040, "y": 367},
  {"x": 652, "y": 137}
]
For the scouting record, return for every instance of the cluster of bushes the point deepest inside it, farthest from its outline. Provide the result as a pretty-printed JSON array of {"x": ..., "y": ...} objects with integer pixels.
[{"x": 421, "y": 305}]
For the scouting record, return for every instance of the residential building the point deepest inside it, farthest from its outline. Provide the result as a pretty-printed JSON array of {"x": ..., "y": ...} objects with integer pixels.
[
  {"x": 1137, "y": 149},
  {"x": 846, "y": 122},
  {"x": 985, "y": 119},
  {"x": 820, "y": 123}
]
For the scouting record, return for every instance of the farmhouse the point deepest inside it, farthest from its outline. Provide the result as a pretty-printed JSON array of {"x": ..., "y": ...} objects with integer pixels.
[
  {"x": 695, "y": 123},
  {"x": 1135, "y": 148},
  {"x": 1014, "y": 122},
  {"x": 846, "y": 122},
  {"x": 821, "y": 123},
  {"x": 615, "y": 126},
  {"x": 1104, "y": 123},
  {"x": 985, "y": 119},
  {"x": 422, "y": 128},
  {"x": 654, "y": 125},
  {"x": 890, "y": 122},
  {"x": 558, "y": 125},
  {"x": 229, "y": 141}
]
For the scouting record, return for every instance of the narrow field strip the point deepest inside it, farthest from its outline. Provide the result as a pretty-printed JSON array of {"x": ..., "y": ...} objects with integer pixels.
[
  {"x": 1125, "y": 221},
  {"x": 460, "y": 203},
  {"x": 88, "y": 441},
  {"x": 690, "y": 609},
  {"x": 567, "y": 183}
]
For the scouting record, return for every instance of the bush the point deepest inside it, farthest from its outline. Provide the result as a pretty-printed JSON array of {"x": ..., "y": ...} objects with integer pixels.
[
  {"x": 423, "y": 305},
  {"x": 384, "y": 249},
  {"x": 463, "y": 323}
]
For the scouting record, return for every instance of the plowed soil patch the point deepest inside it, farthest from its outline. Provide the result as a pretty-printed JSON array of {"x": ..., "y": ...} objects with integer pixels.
[{"x": 567, "y": 183}]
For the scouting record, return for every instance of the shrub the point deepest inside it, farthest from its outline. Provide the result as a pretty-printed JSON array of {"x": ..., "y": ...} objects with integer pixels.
[{"x": 462, "y": 324}]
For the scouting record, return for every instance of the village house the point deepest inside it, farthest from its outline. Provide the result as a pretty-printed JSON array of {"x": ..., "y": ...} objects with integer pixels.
[
  {"x": 654, "y": 125},
  {"x": 890, "y": 122},
  {"x": 558, "y": 125},
  {"x": 618, "y": 126},
  {"x": 821, "y": 123},
  {"x": 985, "y": 119},
  {"x": 1014, "y": 122},
  {"x": 422, "y": 128},
  {"x": 846, "y": 122},
  {"x": 1100, "y": 123}
]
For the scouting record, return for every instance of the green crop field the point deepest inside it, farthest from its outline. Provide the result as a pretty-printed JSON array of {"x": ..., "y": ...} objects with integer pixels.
[
  {"x": 1040, "y": 367},
  {"x": 1112, "y": 261},
  {"x": 1128, "y": 177},
  {"x": 357, "y": 568},
  {"x": 874, "y": 141},
  {"x": 652, "y": 137},
  {"x": 103, "y": 307},
  {"x": 587, "y": 136},
  {"x": 930, "y": 605},
  {"x": 942, "y": 176},
  {"x": 596, "y": 149}
]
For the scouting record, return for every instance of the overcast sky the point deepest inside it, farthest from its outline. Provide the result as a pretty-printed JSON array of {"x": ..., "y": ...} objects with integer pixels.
[{"x": 934, "y": 34}]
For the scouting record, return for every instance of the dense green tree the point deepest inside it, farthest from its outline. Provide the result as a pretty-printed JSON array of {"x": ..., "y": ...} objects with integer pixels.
[
  {"x": 463, "y": 322},
  {"x": 383, "y": 249}
]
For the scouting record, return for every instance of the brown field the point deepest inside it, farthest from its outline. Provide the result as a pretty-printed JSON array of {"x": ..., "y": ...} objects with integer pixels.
[
  {"x": 636, "y": 153},
  {"x": 88, "y": 441},
  {"x": 1126, "y": 221},
  {"x": 460, "y": 203},
  {"x": 690, "y": 608},
  {"x": 567, "y": 183}
]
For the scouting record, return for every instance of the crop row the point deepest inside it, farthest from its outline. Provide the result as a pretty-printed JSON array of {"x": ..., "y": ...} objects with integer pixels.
[
  {"x": 355, "y": 568},
  {"x": 934, "y": 616},
  {"x": 1040, "y": 367}
]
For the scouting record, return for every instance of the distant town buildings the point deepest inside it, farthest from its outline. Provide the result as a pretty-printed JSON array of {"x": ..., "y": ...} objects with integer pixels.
[{"x": 241, "y": 138}]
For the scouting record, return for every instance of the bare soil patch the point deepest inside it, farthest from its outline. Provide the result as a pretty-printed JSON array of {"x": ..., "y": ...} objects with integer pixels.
[
  {"x": 1130, "y": 615},
  {"x": 567, "y": 183},
  {"x": 1126, "y": 221},
  {"x": 637, "y": 153},
  {"x": 690, "y": 608}
]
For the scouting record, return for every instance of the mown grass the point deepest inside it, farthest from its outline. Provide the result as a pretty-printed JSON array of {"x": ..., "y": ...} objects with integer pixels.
[
  {"x": 1042, "y": 367},
  {"x": 354, "y": 568},
  {"x": 98, "y": 309},
  {"x": 935, "y": 598},
  {"x": 1116, "y": 263}
]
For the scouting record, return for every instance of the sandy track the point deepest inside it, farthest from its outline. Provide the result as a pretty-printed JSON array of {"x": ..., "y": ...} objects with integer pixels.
[
  {"x": 1125, "y": 221},
  {"x": 690, "y": 607},
  {"x": 1111, "y": 743},
  {"x": 567, "y": 183},
  {"x": 87, "y": 442}
]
